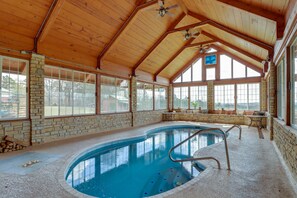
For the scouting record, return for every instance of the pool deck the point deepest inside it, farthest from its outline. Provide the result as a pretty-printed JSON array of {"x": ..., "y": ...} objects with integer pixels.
[{"x": 256, "y": 169}]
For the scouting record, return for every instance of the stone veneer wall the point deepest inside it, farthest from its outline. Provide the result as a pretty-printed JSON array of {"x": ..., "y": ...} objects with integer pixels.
[
  {"x": 285, "y": 138},
  {"x": 19, "y": 129},
  {"x": 148, "y": 117}
]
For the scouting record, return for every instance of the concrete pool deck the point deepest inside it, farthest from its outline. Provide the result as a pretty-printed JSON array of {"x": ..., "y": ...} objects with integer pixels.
[{"x": 256, "y": 170}]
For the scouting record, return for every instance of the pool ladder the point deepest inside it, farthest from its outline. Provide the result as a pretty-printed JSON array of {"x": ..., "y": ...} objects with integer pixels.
[{"x": 209, "y": 130}]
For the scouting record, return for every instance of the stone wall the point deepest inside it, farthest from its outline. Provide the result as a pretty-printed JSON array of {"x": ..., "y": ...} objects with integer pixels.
[
  {"x": 19, "y": 129},
  {"x": 148, "y": 117},
  {"x": 285, "y": 138}
]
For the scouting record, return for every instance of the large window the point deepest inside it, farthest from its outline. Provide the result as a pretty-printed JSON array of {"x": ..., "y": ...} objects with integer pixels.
[
  {"x": 193, "y": 73},
  {"x": 294, "y": 84},
  {"x": 225, "y": 67},
  {"x": 68, "y": 92},
  {"x": 248, "y": 96},
  {"x": 114, "y": 95},
  {"x": 198, "y": 97},
  {"x": 197, "y": 70},
  {"x": 224, "y": 97},
  {"x": 180, "y": 97},
  {"x": 160, "y": 97},
  {"x": 144, "y": 96},
  {"x": 239, "y": 70},
  {"x": 281, "y": 90},
  {"x": 13, "y": 94}
]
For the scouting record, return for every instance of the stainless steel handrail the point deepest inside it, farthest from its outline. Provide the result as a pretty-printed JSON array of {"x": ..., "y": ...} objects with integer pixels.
[
  {"x": 203, "y": 158},
  {"x": 235, "y": 126}
]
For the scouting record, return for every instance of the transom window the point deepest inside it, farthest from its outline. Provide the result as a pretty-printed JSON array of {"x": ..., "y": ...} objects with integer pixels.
[
  {"x": 13, "y": 88},
  {"x": 68, "y": 92},
  {"x": 248, "y": 96},
  {"x": 114, "y": 95},
  {"x": 144, "y": 96},
  {"x": 224, "y": 97}
]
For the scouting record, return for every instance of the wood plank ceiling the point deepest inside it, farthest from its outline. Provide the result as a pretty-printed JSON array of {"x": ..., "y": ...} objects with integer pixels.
[{"x": 129, "y": 33}]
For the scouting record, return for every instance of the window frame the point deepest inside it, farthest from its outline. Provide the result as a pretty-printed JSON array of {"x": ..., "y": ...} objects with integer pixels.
[
  {"x": 155, "y": 98},
  {"x": 27, "y": 86},
  {"x": 248, "y": 96},
  {"x": 153, "y": 92}
]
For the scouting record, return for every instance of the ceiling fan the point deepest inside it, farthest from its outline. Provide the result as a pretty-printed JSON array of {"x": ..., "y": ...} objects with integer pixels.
[
  {"x": 203, "y": 49},
  {"x": 190, "y": 34},
  {"x": 162, "y": 11}
]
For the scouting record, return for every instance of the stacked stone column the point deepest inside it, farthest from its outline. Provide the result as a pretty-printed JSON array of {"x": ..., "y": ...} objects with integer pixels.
[
  {"x": 272, "y": 97},
  {"x": 170, "y": 97},
  {"x": 133, "y": 99},
  {"x": 263, "y": 95},
  {"x": 36, "y": 97},
  {"x": 210, "y": 96}
]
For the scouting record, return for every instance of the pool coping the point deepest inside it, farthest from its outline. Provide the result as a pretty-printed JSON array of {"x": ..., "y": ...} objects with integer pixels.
[{"x": 150, "y": 129}]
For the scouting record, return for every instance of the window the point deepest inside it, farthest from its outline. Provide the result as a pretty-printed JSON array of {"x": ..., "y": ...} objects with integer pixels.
[
  {"x": 281, "y": 90},
  {"x": 13, "y": 89},
  {"x": 225, "y": 67},
  {"x": 144, "y": 96},
  {"x": 114, "y": 95},
  {"x": 224, "y": 97},
  {"x": 238, "y": 69},
  {"x": 252, "y": 73},
  {"x": 187, "y": 75},
  {"x": 198, "y": 97},
  {"x": 248, "y": 96},
  {"x": 294, "y": 84},
  {"x": 211, "y": 73},
  {"x": 180, "y": 98},
  {"x": 197, "y": 70},
  {"x": 160, "y": 97},
  {"x": 68, "y": 92},
  {"x": 178, "y": 80}
]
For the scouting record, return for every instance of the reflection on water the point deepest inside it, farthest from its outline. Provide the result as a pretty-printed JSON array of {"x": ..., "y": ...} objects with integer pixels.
[{"x": 139, "y": 168}]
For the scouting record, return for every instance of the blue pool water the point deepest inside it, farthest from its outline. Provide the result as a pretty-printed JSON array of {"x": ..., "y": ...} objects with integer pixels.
[{"x": 139, "y": 167}]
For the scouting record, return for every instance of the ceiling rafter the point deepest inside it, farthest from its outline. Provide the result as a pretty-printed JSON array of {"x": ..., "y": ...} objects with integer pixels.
[
  {"x": 187, "y": 45},
  {"x": 247, "y": 63},
  {"x": 232, "y": 46},
  {"x": 279, "y": 19},
  {"x": 47, "y": 22},
  {"x": 169, "y": 31},
  {"x": 245, "y": 37},
  {"x": 156, "y": 44},
  {"x": 139, "y": 6},
  {"x": 185, "y": 66}
]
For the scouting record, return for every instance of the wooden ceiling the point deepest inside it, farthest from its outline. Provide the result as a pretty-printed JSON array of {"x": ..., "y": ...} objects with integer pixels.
[{"x": 130, "y": 34}]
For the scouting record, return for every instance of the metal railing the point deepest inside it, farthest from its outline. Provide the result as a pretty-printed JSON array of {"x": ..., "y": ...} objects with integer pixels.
[{"x": 210, "y": 130}]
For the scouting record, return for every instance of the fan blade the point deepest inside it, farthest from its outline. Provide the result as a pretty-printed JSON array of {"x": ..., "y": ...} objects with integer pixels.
[
  {"x": 171, "y": 7},
  {"x": 151, "y": 9},
  {"x": 170, "y": 14}
]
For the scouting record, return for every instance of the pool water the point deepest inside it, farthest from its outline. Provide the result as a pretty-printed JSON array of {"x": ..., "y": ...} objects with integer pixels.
[{"x": 139, "y": 167}]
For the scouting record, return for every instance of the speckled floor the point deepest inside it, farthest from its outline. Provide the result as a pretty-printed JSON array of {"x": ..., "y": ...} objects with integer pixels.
[{"x": 256, "y": 170}]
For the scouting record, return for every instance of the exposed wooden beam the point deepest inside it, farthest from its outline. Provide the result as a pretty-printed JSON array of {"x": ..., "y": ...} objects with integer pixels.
[
  {"x": 185, "y": 66},
  {"x": 173, "y": 57},
  {"x": 187, "y": 45},
  {"x": 49, "y": 19},
  {"x": 248, "y": 64},
  {"x": 187, "y": 27},
  {"x": 252, "y": 56},
  {"x": 156, "y": 44},
  {"x": 245, "y": 37},
  {"x": 279, "y": 19},
  {"x": 122, "y": 28}
]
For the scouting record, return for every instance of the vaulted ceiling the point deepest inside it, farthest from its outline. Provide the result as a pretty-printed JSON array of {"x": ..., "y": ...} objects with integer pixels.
[{"x": 130, "y": 34}]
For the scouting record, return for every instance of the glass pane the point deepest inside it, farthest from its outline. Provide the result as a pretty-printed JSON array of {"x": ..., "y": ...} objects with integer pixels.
[
  {"x": 66, "y": 91},
  {"x": 13, "y": 93},
  {"x": 187, "y": 75},
  {"x": 184, "y": 97},
  {"x": 198, "y": 97},
  {"x": 122, "y": 95},
  {"x": 108, "y": 94},
  {"x": 294, "y": 76},
  {"x": 144, "y": 96},
  {"x": 242, "y": 97},
  {"x": 178, "y": 80},
  {"x": 238, "y": 69},
  {"x": 252, "y": 73},
  {"x": 225, "y": 67},
  {"x": 254, "y": 96},
  {"x": 160, "y": 97},
  {"x": 197, "y": 70},
  {"x": 210, "y": 73},
  {"x": 176, "y": 98},
  {"x": 224, "y": 97}
]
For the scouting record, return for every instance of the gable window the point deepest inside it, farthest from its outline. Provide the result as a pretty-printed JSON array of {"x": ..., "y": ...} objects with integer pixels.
[
  {"x": 248, "y": 96},
  {"x": 144, "y": 96},
  {"x": 68, "y": 92},
  {"x": 211, "y": 73},
  {"x": 198, "y": 97},
  {"x": 238, "y": 69},
  {"x": 180, "y": 97},
  {"x": 160, "y": 97},
  {"x": 193, "y": 73},
  {"x": 224, "y": 97},
  {"x": 114, "y": 95},
  {"x": 225, "y": 67},
  {"x": 187, "y": 75},
  {"x": 13, "y": 88},
  {"x": 252, "y": 73},
  {"x": 197, "y": 70}
]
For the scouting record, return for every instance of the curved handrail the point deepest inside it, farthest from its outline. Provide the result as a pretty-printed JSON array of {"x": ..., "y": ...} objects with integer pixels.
[
  {"x": 235, "y": 126},
  {"x": 202, "y": 158}
]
